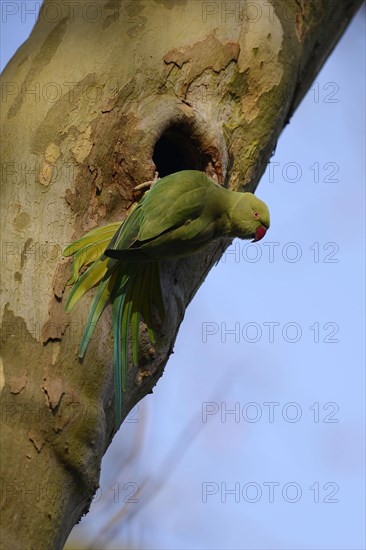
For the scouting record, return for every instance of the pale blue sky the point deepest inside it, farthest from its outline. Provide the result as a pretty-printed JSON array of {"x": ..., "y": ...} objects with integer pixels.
[{"x": 309, "y": 374}]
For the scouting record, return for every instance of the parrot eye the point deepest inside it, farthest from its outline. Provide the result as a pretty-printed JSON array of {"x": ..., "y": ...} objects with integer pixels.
[{"x": 256, "y": 215}]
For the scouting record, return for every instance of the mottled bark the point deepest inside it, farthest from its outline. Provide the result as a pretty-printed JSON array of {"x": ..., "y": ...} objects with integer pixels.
[{"x": 93, "y": 102}]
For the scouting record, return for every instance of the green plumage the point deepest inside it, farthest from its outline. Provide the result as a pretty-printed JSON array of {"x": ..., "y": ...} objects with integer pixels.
[{"x": 179, "y": 215}]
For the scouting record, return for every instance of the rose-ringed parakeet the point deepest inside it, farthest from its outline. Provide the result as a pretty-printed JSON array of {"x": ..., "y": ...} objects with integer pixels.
[{"x": 179, "y": 215}]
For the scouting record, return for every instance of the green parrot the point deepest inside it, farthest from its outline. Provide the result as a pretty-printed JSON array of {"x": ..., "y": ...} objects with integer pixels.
[{"x": 178, "y": 216}]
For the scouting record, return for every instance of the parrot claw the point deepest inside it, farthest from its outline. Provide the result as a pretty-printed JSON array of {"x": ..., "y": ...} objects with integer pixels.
[{"x": 141, "y": 188}]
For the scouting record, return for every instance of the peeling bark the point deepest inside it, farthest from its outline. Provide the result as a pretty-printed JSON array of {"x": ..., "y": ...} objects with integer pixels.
[{"x": 92, "y": 105}]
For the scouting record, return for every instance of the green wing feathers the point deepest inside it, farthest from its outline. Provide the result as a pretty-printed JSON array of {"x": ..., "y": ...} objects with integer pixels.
[
  {"x": 132, "y": 288},
  {"x": 90, "y": 278},
  {"x": 90, "y": 247}
]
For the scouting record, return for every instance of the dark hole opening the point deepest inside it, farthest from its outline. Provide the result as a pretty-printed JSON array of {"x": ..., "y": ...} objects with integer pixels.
[{"x": 177, "y": 150}]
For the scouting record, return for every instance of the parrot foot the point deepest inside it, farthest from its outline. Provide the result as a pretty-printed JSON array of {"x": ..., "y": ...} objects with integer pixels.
[{"x": 141, "y": 189}]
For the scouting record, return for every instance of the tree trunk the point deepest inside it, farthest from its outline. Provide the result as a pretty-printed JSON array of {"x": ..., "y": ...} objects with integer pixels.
[{"x": 99, "y": 97}]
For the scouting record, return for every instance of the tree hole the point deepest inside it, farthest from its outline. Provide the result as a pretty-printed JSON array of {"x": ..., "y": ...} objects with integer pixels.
[{"x": 178, "y": 150}]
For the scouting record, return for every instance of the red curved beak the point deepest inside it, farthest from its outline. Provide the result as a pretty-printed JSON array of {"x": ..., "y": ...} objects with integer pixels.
[{"x": 259, "y": 234}]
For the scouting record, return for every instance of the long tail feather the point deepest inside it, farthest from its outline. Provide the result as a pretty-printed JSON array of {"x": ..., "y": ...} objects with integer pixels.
[
  {"x": 117, "y": 312},
  {"x": 100, "y": 301},
  {"x": 132, "y": 288},
  {"x": 137, "y": 291},
  {"x": 125, "y": 330},
  {"x": 157, "y": 296},
  {"x": 147, "y": 301},
  {"x": 90, "y": 278}
]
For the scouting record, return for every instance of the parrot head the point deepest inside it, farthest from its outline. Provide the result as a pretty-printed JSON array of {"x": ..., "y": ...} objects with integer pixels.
[
  {"x": 251, "y": 217},
  {"x": 261, "y": 217}
]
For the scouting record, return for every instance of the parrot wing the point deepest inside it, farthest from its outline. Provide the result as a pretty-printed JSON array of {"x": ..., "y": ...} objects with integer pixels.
[
  {"x": 90, "y": 247},
  {"x": 171, "y": 203}
]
